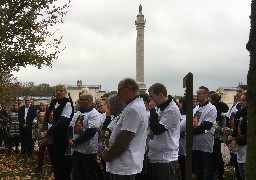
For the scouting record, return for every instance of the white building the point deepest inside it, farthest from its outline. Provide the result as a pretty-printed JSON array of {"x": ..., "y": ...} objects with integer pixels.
[
  {"x": 94, "y": 90},
  {"x": 228, "y": 94}
]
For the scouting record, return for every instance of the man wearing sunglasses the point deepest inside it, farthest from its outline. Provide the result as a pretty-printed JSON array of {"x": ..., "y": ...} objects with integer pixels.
[{"x": 128, "y": 139}]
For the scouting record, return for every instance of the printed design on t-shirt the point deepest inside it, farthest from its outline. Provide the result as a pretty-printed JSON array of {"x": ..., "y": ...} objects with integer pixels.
[
  {"x": 196, "y": 118},
  {"x": 78, "y": 129}
]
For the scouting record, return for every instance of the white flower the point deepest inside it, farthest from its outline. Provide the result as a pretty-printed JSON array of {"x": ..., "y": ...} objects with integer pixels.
[
  {"x": 224, "y": 114},
  {"x": 215, "y": 125}
]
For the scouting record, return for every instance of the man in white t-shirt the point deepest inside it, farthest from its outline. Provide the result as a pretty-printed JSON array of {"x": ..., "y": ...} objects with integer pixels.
[
  {"x": 164, "y": 122},
  {"x": 231, "y": 123},
  {"x": 128, "y": 139},
  {"x": 84, "y": 138},
  {"x": 204, "y": 117}
]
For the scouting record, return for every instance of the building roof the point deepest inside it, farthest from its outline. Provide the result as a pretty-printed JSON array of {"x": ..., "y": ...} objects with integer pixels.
[
  {"x": 226, "y": 89},
  {"x": 84, "y": 86}
]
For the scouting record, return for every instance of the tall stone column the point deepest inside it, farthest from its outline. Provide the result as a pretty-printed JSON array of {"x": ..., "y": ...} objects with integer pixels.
[{"x": 140, "y": 24}]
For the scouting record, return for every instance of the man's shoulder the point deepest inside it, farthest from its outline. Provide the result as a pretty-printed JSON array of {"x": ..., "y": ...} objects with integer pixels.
[
  {"x": 21, "y": 108},
  {"x": 206, "y": 106},
  {"x": 136, "y": 103},
  {"x": 92, "y": 112},
  {"x": 33, "y": 108},
  {"x": 172, "y": 106},
  {"x": 137, "y": 106},
  {"x": 210, "y": 105}
]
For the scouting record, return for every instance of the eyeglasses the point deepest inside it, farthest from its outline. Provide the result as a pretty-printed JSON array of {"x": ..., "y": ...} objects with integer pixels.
[
  {"x": 80, "y": 99},
  {"x": 119, "y": 89}
]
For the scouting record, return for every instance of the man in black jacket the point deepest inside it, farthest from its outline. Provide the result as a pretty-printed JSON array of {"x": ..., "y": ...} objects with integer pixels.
[
  {"x": 27, "y": 113},
  {"x": 62, "y": 111},
  {"x": 218, "y": 163}
]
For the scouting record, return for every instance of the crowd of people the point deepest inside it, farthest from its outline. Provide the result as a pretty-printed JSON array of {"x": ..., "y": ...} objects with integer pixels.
[{"x": 129, "y": 135}]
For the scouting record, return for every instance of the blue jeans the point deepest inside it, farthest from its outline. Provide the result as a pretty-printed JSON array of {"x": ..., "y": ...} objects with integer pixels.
[
  {"x": 203, "y": 162},
  {"x": 241, "y": 167}
]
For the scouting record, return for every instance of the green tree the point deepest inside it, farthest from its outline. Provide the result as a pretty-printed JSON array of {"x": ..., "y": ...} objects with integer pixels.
[
  {"x": 25, "y": 33},
  {"x": 9, "y": 87},
  {"x": 31, "y": 89},
  {"x": 251, "y": 81},
  {"x": 45, "y": 90}
]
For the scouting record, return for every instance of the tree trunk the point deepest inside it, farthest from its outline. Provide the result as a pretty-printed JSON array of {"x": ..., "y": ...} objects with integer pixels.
[{"x": 251, "y": 99}]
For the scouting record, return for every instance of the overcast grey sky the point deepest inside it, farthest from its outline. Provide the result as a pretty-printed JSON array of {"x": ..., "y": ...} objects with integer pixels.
[{"x": 204, "y": 37}]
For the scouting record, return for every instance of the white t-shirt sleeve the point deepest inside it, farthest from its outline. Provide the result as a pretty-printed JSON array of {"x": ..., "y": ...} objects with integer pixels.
[
  {"x": 94, "y": 120},
  {"x": 102, "y": 119},
  {"x": 170, "y": 118},
  {"x": 131, "y": 120},
  {"x": 183, "y": 123},
  {"x": 73, "y": 121},
  {"x": 211, "y": 115},
  {"x": 67, "y": 110}
]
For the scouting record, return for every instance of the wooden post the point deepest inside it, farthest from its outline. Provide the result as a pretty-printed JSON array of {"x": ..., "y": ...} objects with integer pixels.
[{"x": 188, "y": 84}]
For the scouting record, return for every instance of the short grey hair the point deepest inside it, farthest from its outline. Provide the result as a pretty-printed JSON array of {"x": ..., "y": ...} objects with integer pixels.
[{"x": 116, "y": 104}]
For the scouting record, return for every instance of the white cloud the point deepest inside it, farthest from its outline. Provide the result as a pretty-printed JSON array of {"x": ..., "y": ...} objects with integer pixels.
[{"x": 204, "y": 37}]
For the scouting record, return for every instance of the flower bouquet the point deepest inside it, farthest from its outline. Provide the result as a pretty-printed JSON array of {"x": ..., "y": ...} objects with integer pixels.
[
  {"x": 219, "y": 126},
  {"x": 103, "y": 138}
]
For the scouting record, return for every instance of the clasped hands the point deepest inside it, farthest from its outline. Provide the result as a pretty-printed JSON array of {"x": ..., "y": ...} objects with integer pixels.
[
  {"x": 24, "y": 125},
  {"x": 43, "y": 135},
  {"x": 105, "y": 155},
  {"x": 71, "y": 142}
]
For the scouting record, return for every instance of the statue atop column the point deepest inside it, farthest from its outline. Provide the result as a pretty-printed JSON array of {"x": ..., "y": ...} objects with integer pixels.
[
  {"x": 140, "y": 8},
  {"x": 140, "y": 24}
]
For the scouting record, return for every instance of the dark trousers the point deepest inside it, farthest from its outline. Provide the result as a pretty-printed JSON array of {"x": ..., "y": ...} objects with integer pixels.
[
  {"x": 27, "y": 143},
  {"x": 143, "y": 174},
  {"x": 233, "y": 160},
  {"x": 217, "y": 160},
  {"x": 161, "y": 171},
  {"x": 123, "y": 177},
  {"x": 101, "y": 170},
  {"x": 42, "y": 149},
  {"x": 61, "y": 164},
  {"x": 203, "y": 162},
  {"x": 85, "y": 166},
  {"x": 13, "y": 141},
  {"x": 241, "y": 167},
  {"x": 182, "y": 164}
]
